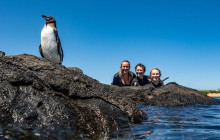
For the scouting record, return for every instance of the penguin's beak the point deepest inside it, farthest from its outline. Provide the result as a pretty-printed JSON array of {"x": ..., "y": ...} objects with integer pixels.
[
  {"x": 45, "y": 17},
  {"x": 49, "y": 19}
]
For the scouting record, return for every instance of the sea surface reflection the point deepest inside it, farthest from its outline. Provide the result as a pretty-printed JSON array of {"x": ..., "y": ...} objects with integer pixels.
[
  {"x": 174, "y": 123},
  {"x": 181, "y": 122}
]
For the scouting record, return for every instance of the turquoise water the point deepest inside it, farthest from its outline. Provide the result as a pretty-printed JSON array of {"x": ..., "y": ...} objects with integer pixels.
[
  {"x": 216, "y": 97},
  {"x": 177, "y": 123}
]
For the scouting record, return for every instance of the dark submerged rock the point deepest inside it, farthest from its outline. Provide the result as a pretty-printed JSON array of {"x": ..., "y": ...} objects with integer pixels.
[{"x": 38, "y": 96}]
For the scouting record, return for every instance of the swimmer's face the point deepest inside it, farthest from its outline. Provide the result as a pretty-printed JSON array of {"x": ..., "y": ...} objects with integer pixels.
[
  {"x": 140, "y": 72},
  {"x": 155, "y": 75},
  {"x": 125, "y": 67}
]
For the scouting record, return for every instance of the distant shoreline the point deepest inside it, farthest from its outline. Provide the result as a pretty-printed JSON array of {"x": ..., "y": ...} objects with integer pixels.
[{"x": 213, "y": 94}]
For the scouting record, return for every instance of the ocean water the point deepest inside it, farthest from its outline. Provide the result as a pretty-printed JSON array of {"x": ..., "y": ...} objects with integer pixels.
[
  {"x": 216, "y": 97},
  {"x": 197, "y": 122}
]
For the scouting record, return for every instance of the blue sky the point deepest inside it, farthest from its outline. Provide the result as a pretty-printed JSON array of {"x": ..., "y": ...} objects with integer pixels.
[{"x": 180, "y": 37}]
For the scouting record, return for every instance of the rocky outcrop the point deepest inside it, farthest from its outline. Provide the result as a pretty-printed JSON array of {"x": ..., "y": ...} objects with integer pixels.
[
  {"x": 38, "y": 95},
  {"x": 176, "y": 95}
]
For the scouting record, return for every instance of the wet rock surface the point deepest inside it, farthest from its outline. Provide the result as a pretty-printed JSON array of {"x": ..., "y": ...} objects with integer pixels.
[
  {"x": 40, "y": 97},
  {"x": 176, "y": 95}
]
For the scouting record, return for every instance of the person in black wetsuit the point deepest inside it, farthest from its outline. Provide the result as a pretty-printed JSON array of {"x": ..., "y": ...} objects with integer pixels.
[
  {"x": 155, "y": 74},
  {"x": 125, "y": 76},
  {"x": 141, "y": 79}
]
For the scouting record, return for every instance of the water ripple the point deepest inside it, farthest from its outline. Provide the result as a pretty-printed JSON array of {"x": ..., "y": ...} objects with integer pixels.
[{"x": 181, "y": 122}]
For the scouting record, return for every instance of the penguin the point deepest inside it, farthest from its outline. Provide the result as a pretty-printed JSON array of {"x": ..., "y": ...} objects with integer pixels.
[{"x": 50, "y": 47}]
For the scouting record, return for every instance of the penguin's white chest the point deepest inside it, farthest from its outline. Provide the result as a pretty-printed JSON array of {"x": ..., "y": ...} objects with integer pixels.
[{"x": 49, "y": 44}]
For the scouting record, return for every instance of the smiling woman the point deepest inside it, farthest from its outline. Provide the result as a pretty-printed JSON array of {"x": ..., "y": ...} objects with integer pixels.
[
  {"x": 155, "y": 75},
  {"x": 125, "y": 76},
  {"x": 141, "y": 79}
]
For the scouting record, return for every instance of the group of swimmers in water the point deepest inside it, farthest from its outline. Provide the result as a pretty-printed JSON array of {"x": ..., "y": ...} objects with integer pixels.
[{"x": 127, "y": 78}]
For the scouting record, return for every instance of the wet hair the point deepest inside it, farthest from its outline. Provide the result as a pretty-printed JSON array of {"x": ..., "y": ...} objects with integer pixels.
[
  {"x": 140, "y": 65},
  {"x": 125, "y": 61},
  {"x": 155, "y": 69}
]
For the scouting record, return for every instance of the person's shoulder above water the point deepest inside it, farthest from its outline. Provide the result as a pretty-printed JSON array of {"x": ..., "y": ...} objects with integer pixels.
[
  {"x": 116, "y": 79},
  {"x": 133, "y": 75},
  {"x": 141, "y": 82},
  {"x": 146, "y": 77},
  {"x": 157, "y": 83},
  {"x": 116, "y": 74},
  {"x": 135, "y": 82}
]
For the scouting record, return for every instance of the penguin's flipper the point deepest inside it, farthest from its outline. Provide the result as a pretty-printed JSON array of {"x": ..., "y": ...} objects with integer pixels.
[
  {"x": 40, "y": 49},
  {"x": 59, "y": 46},
  {"x": 60, "y": 49}
]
